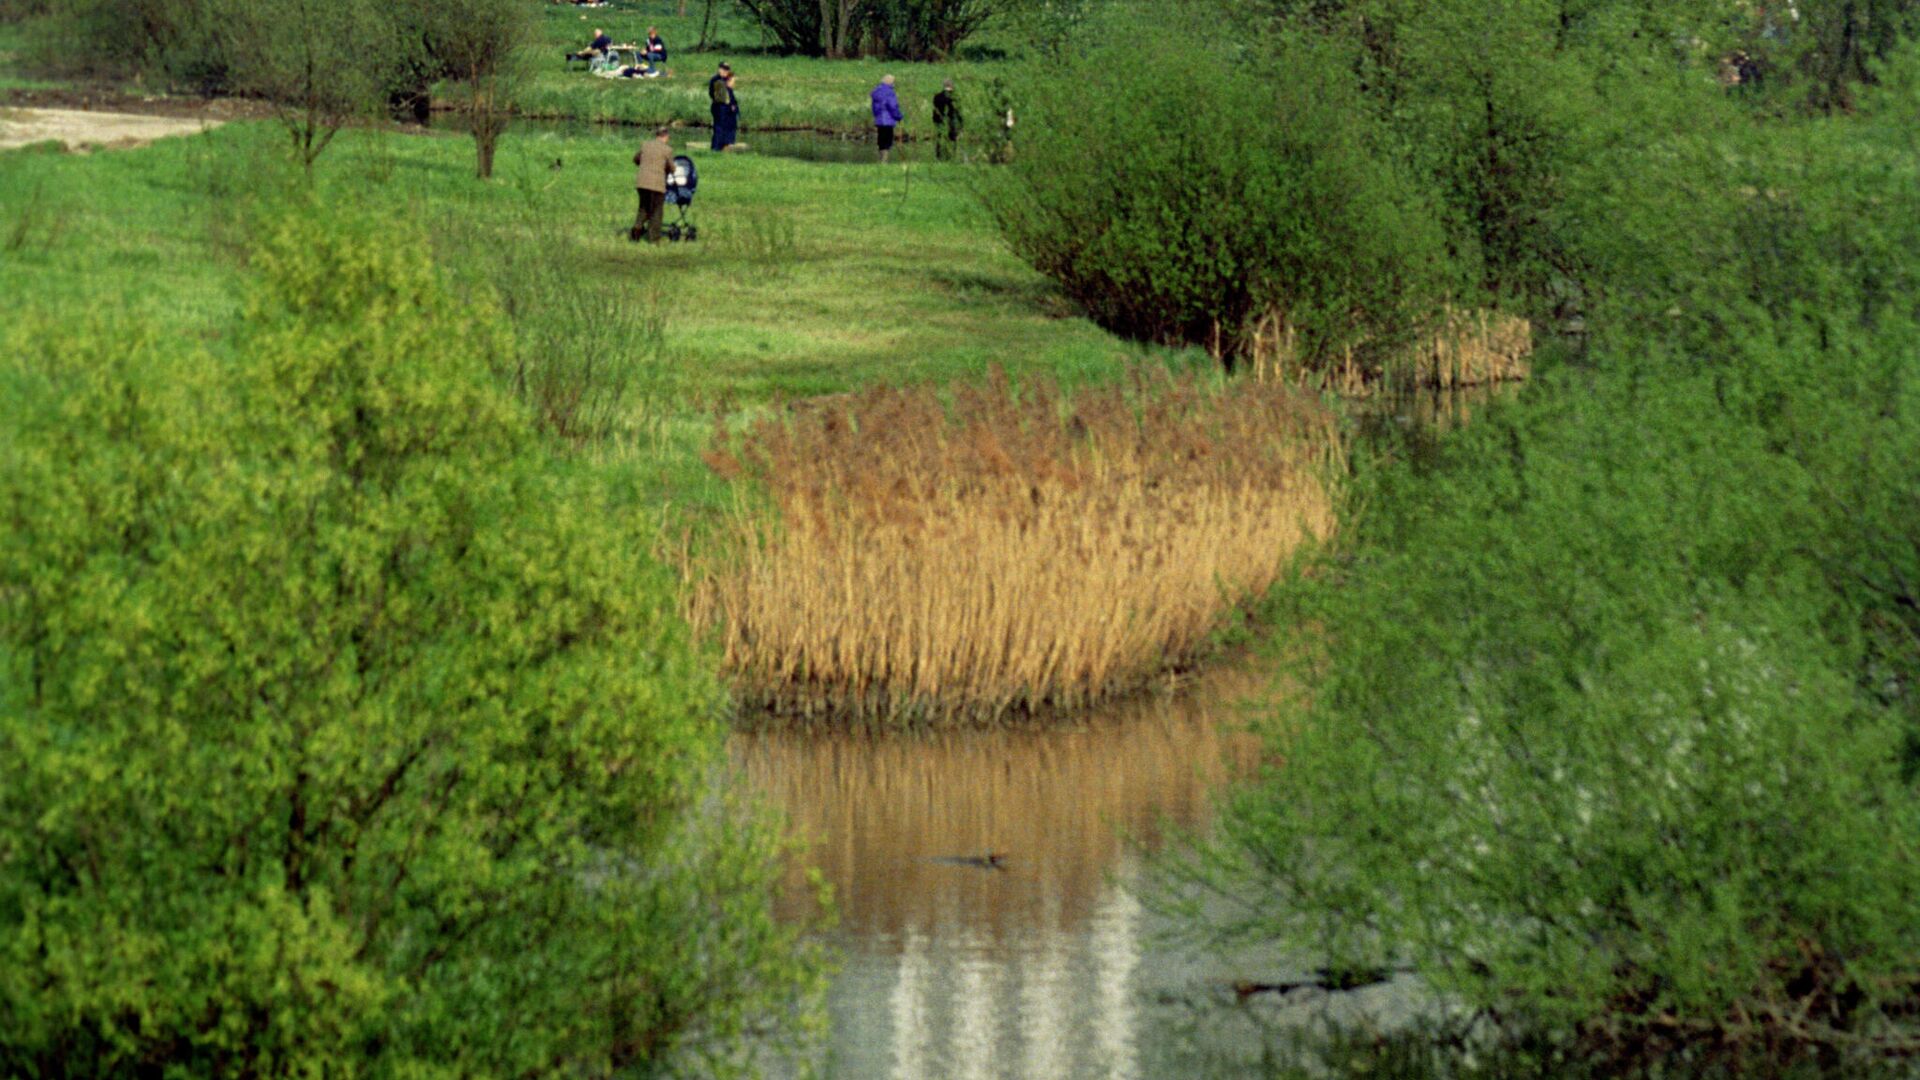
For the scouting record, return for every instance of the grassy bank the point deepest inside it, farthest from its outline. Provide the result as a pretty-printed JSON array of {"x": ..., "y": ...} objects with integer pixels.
[{"x": 807, "y": 279}]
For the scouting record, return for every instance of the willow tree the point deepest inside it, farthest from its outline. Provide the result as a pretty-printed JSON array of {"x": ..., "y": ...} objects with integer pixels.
[
  {"x": 321, "y": 64},
  {"x": 476, "y": 43}
]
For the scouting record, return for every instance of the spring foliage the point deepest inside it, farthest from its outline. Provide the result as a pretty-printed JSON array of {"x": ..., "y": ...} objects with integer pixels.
[
  {"x": 338, "y": 729},
  {"x": 1191, "y": 198},
  {"x": 1612, "y": 722}
]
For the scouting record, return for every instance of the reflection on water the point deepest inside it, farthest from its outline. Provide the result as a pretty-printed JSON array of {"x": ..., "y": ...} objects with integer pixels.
[
  {"x": 1033, "y": 969},
  {"x": 820, "y": 146},
  {"x": 1413, "y": 424}
]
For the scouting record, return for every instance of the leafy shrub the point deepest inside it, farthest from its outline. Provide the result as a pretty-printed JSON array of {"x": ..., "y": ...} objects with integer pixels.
[
  {"x": 339, "y": 730},
  {"x": 1191, "y": 199},
  {"x": 591, "y": 362},
  {"x": 1611, "y": 723},
  {"x": 1490, "y": 105}
]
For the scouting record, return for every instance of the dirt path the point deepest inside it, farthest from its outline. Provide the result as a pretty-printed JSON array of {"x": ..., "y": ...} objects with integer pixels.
[{"x": 81, "y": 130}]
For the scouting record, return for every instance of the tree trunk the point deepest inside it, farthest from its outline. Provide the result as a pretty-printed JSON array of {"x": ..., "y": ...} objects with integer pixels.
[
  {"x": 485, "y": 139},
  {"x": 839, "y": 27}
]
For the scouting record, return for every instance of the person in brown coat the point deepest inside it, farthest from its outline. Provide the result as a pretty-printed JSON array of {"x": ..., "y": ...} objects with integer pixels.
[{"x": 655, "y": 158}]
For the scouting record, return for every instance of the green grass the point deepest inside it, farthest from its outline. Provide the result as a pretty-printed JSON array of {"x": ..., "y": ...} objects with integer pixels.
[
  {"x": 808, "y": 278},
  {"x": 774, "y": 91}
]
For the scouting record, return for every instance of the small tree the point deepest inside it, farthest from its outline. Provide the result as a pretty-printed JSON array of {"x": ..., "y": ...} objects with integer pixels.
[
  {"x": 477, "y": 42},
  {"x": 320, "y": 63},
  {"x": 341, "y": 730}
]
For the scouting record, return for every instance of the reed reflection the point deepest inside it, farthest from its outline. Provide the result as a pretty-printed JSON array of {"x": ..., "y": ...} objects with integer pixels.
[{"x": 901, "y": 824}]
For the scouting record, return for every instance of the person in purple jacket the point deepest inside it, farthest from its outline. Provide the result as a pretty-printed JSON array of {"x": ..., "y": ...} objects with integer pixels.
[{"x": 886, "y": 114}]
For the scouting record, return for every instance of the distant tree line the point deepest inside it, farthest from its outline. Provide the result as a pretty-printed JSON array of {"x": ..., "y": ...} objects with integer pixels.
[{"x": 897, "y": 29}]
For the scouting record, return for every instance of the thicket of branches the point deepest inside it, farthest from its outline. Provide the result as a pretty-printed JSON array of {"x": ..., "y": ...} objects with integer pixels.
[
  {"x": 901, "y": 29},
  {"x": 1609, "y": 718}
]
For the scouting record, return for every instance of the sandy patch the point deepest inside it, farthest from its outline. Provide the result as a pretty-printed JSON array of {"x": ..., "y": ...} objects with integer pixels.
[{"x": 79, "y": 130}]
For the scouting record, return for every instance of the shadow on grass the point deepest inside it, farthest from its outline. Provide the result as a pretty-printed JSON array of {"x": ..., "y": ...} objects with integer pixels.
[{"x": 1035, "y": 295}]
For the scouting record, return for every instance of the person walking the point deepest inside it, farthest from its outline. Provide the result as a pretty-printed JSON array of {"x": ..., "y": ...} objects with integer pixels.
[
  {"x": 726, "y": 108},
  {"x": 886, "y": 115},
  {"x": 946, "y": 122},
  {"x": 655, "y": 159}
]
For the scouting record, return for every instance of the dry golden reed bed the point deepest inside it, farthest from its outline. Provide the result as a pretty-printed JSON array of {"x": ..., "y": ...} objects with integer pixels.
[
  {"x": 1003, "y": 553},
  {"x": 1461, "y": 348}
]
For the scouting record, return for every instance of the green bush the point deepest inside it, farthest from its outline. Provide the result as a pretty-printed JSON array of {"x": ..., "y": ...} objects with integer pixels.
[
  {"x": 1495, "y": 108},
  {"x": 1191, "y": 199},
  {"x": 340, "y": 729},
  {"x": 170, "y": 42},
  {"x": 1610, "y": 725},
  {"x": 1587, "y": 753}
]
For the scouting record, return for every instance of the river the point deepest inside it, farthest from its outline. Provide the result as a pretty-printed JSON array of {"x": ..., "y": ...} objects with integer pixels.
[{"x": 1039, "y": 962}]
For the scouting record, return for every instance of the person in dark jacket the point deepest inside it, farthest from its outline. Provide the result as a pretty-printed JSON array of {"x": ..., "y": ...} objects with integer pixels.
[
  {"x": 655, "y": 159},
  {"x": 656, "y": 46},
  {"x": 946, "y": 122},
  {"x": 886, "y": 115},
  {"x": 595, "y": 48},
  {"x": 726, "y": 108}
]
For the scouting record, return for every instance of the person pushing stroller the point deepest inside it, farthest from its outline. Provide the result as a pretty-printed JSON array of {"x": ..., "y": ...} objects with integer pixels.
[{"x": 655, "y": 159}]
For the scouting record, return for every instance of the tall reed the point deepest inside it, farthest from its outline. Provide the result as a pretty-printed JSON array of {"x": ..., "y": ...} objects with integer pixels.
[
  {"x": 1460, "y": 348},
  {"x": 1003, "y": 552}
]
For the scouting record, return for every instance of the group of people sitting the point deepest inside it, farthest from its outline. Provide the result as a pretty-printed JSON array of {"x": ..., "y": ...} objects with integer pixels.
[{"x": 603, "y": 56}]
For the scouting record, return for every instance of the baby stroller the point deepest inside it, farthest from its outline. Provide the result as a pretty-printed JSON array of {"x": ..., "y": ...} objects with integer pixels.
[{"x": 680, "y": 188}]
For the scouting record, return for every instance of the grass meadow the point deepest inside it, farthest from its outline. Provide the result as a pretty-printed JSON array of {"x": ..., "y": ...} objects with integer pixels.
[
  {"x": 807, "y": 280},
  {"x": 882, "y": 291}
]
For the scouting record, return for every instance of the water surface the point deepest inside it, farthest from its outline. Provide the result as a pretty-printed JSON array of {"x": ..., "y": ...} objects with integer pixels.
[
  {"x": 802, "y": 145},
  {"x": 1044, "y": 966}
]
